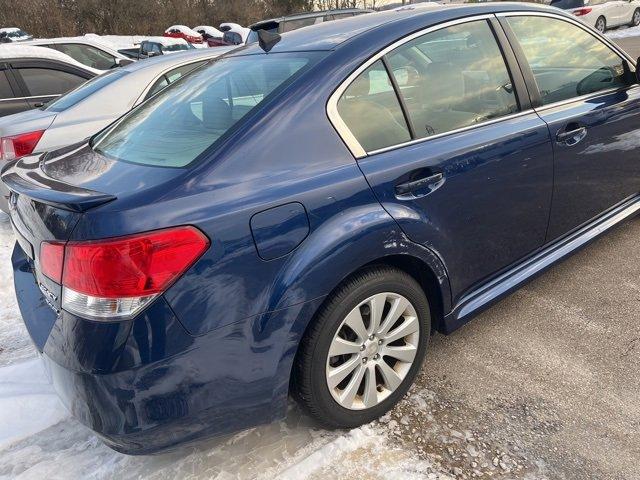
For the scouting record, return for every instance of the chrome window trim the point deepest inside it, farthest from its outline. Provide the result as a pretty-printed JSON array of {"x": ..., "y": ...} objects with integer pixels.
[
  {"x": 28, "y": 98},
  {"x": 332, "y": 105},
  {"x": 359, "y": 152}
]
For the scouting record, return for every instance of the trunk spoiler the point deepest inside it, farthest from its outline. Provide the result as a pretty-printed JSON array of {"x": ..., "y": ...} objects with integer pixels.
[{"x": 26, "y": 180}]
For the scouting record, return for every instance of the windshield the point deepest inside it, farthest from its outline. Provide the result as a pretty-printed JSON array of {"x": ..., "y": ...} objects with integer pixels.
[
  {"x": 83, "y": 91},
  {"x": 568, "y": 4},
  {"x": 18, "y": 33},
  {"x": 176, "y": 47},
  {"x": 174, "y": 127}
]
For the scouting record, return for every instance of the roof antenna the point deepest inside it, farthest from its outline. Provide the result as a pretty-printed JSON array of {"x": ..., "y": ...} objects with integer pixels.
[{"x": 268, "y": 40}]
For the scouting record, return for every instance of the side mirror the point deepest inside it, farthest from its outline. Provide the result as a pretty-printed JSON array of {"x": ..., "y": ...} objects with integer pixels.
[{"x": 596, "y": 81}]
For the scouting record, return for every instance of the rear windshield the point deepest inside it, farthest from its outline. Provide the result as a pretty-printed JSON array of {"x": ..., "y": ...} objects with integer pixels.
[
  {"x": 83, "y": 91},
  {"x": 568, "y": 4},
  {"x": 173, "y": 128}
]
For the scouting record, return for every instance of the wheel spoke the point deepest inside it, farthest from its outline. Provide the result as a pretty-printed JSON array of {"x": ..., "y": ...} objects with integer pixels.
[
  {"x": 376, "y": 304},
  {"x": 398, "y": 307},
  {"x": 351, "y": 390},
  {"x": 406, "y": 353},
  {"x": 370, "y": 397},
  {"x": 340, "y": 346},
  {"x": 354, "y": 321},
  {"x": 336, "y": 374},
  {"x": 391, "y": 379},
  {"x": 409, "y": 326}
]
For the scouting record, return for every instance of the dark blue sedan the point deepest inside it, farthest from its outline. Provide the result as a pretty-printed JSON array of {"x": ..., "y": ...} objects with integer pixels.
[{"x": 300, "y": 215}]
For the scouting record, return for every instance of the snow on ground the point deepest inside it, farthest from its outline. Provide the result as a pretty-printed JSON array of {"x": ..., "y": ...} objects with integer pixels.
[
  {"x": 38, "y": 438},
  {"x": 624, "y": 32}
]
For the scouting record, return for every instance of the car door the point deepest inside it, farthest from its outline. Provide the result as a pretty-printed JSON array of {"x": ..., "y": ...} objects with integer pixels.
[
  {"x": 447, "y": 140},
  {"x": 586, "y": 93},
  {"x": 11, "y": 97},
  {"x": 46, "y": 80}
]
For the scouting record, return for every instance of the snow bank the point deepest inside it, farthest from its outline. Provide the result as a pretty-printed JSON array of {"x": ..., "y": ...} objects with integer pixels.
[
  {"x": 623, "y": 32},
  {"x": 28, "y": 403}
]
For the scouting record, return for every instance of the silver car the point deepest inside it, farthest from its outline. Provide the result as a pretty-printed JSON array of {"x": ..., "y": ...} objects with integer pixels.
[{"x": 92, "y": 106}]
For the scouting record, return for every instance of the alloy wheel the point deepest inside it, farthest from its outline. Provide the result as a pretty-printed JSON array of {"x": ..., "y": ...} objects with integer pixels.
[
  {"x": 636, "y": 18},
  {"x": 372, "y": 351},
  {"x": 601, "y": 25}
]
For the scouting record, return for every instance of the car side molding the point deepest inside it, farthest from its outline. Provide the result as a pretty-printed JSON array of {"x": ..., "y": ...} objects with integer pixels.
[{"x": 489, "y": 293}]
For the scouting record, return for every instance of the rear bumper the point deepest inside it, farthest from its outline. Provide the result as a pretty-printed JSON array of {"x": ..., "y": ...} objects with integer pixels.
[{"x": 146, "y": 385}]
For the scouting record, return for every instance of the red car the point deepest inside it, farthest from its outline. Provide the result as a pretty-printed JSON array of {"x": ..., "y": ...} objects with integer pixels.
[{"x": 182, "y": 31}]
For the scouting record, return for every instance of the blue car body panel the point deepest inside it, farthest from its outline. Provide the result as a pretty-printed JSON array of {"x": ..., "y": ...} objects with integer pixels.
[{"x": 290, "y": 214}]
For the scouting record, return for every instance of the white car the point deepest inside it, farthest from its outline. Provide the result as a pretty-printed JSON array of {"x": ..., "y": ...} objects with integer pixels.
[
  {"x": 603, "y": 14},
  {"x": 88, "y": 52},
  {"x": 13, "y": 34}
]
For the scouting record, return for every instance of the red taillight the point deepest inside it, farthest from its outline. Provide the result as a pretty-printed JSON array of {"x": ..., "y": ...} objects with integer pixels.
[
  {"x": 116, "y": 278},
  {"x": 17, "y": 146},
  {"x": 581, "y": 11},
  {"x": 51, "y": 258},
  {"x": 133, "y": 266}
]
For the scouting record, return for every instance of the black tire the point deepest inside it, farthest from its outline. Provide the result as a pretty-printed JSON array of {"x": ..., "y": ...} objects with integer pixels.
[
  {"x": 309, "y": 384},
  {"x": 604, "y": 24},
  {"x": 635, "y": 18}
]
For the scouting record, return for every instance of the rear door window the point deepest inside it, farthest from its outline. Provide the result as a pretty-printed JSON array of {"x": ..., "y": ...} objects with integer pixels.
[
  {"x": 453, "y": 78},
  {"x": 371, "y": 110},
  {"x": 45, "y": 81},
  {"x": 566, "y": 60}
]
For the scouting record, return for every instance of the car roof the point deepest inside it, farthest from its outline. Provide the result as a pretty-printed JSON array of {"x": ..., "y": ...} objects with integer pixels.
[
  {"x": 19, "y": 51},
  {"x": 162, "y": 62},
  {"x": 83, "y": 39},
  {"x": 330, "y": 35},
  {"x": 321, "y": 13}
]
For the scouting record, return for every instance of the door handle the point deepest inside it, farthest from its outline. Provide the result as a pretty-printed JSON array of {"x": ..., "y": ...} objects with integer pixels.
[
  {"x": 571, "y": 135},
  {"x": 412, "y": 186}
]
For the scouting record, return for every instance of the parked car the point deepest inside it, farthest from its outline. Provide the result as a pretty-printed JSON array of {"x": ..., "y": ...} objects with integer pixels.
[
  {"x": 13, "y": 34},
  {"x": 154, "y": 46},
  {"x": 88, "y": 52},
  {"x": 184, "y": 32},
  {"x": 304, "y": 219},
  {"x": 293, "y": 22},
  {"x": 91, "y": 107},
  {"x": 232, "y": 34},
  {"x": 32, "y": 76},
  {"x": 603, "y": 14},
  {"x": 207, "y": 32}
]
